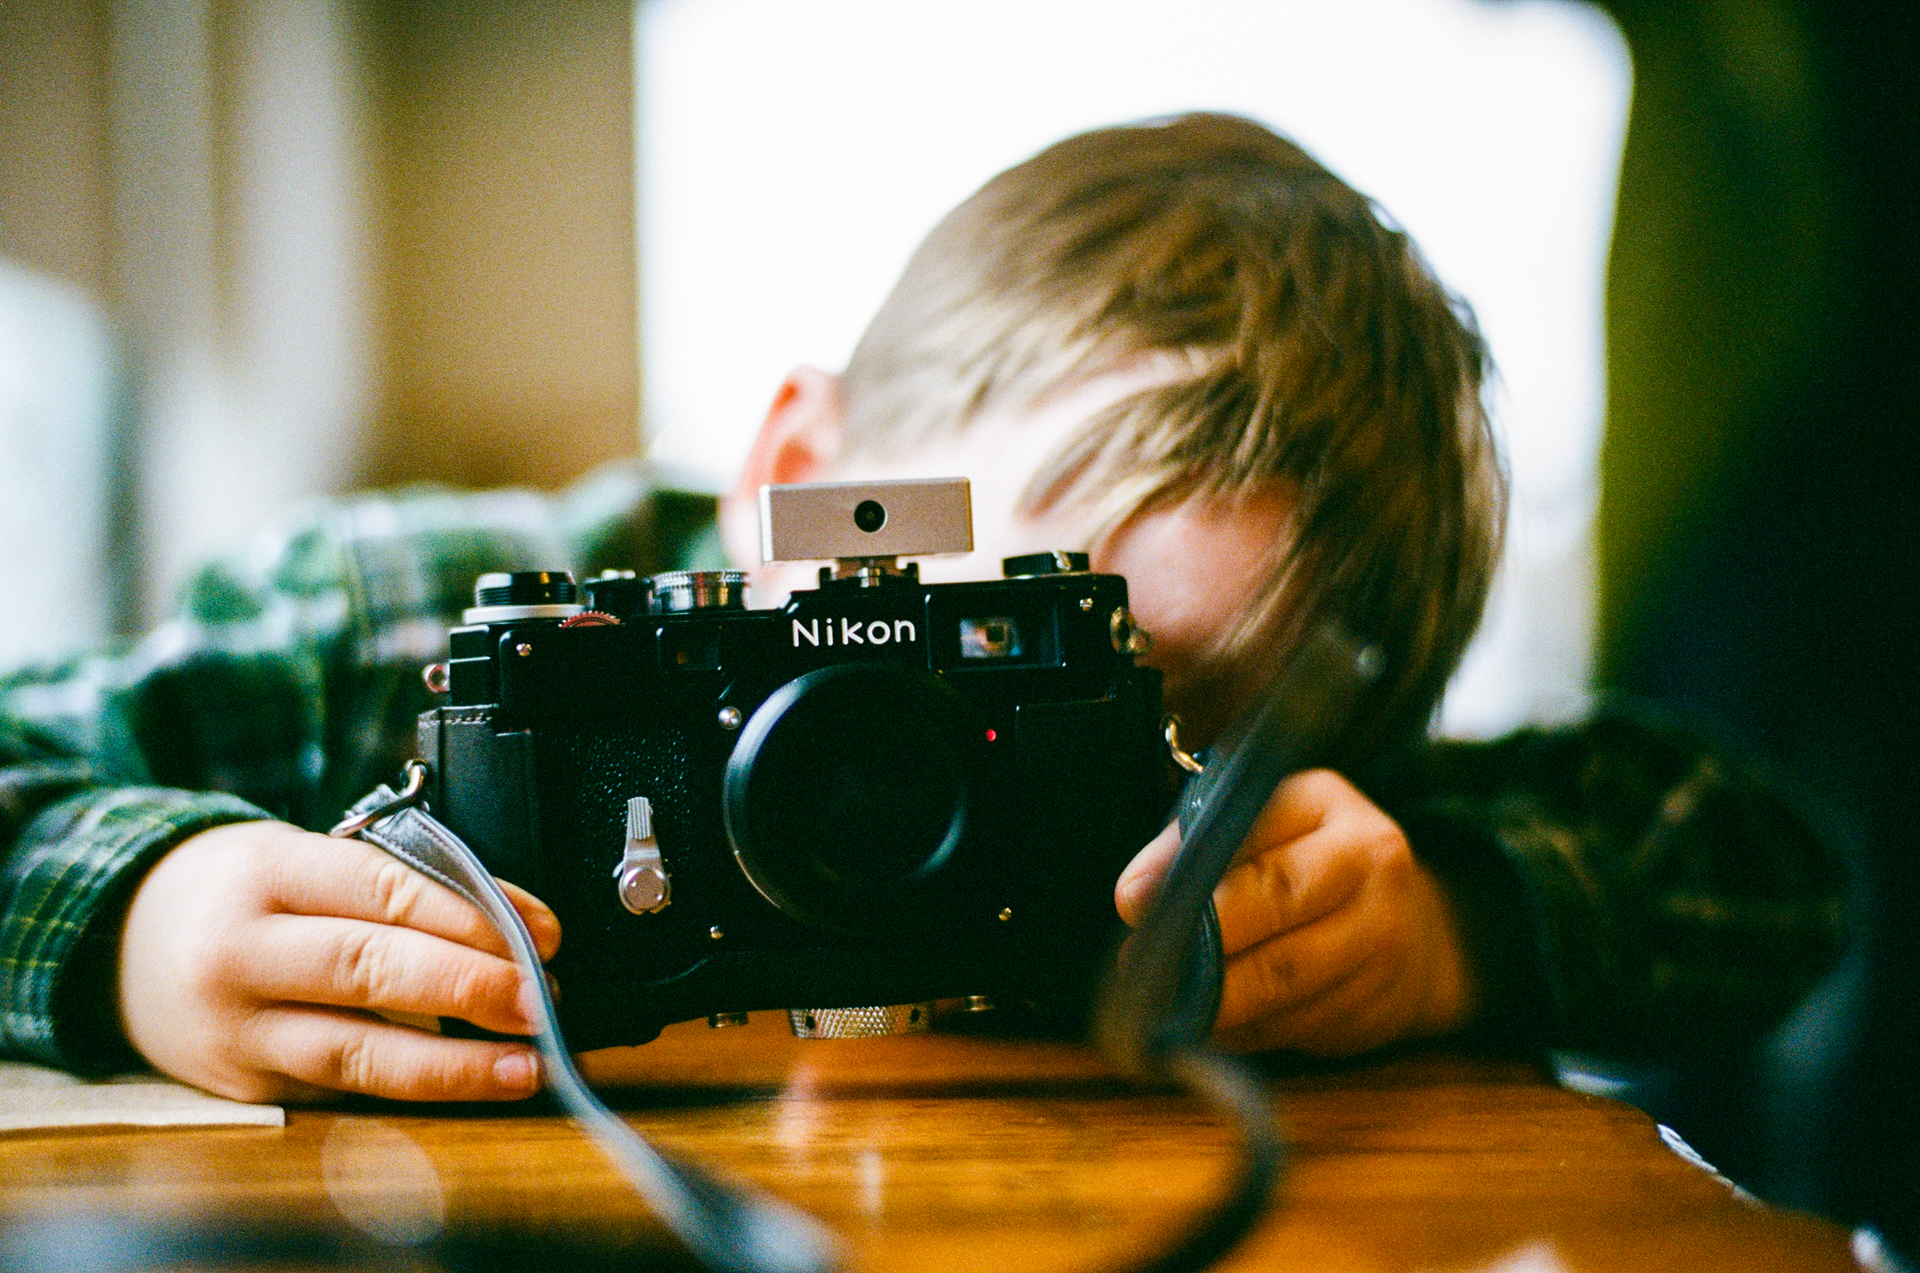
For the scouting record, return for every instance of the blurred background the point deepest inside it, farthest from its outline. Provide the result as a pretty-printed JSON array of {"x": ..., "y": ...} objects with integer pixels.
[
  {"x": 272, "y": 249},
  {"x": 254, "y": 252}
]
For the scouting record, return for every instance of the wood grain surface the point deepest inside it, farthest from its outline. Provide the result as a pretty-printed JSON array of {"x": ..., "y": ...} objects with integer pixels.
[{"x": 940, "y": 1152}]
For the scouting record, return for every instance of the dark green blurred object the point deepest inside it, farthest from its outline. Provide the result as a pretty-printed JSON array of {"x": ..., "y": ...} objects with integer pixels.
[{"x": 1760, "y": 527}]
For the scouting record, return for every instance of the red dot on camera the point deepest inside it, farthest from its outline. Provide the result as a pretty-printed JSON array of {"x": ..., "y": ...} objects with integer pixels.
[{"x": 992, "y": 734}]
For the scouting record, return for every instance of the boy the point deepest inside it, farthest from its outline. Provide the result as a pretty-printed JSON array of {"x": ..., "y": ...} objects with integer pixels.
[{"x": 1184, "y": 347}]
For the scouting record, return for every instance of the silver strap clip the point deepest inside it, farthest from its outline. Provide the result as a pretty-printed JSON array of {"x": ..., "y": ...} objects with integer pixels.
[
  {"x": 382, "y": 802},
  {"x": 645, "y": 888}
]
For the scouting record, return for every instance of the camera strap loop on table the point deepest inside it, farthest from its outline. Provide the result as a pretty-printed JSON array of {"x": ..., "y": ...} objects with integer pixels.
[
  {"x": 728, "y": 1227},
  {"x": 1158, "y": 1005}
]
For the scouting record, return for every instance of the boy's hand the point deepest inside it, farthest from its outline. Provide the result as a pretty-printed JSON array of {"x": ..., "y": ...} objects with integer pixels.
[
  {"x": 253, "y": 955},
  {"x": 1336, "y": 939}
]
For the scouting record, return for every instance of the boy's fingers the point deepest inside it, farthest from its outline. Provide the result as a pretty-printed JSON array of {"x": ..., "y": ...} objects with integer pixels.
[
  {"x": 1282, "y": 974},
  {"x": 541, "y": 922},
  {"x": 1301, "y": 804},
  {"x": 320, "y": 875},
  {"x": 1140, "y": 882},
  {"x": 347, "y": 1052},
  {"x": 1344, "y": 1017},
  {"x": 1285, "y": 887},
  {"x": 347, "y": 963}
]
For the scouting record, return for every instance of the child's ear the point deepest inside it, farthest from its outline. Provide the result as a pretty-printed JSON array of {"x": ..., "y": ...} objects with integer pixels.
[{"x": 799, "y": 441}]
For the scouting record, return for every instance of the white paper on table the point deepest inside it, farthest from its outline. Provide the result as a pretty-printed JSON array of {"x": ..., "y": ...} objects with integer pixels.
[{"x": 34, "y": 1097}]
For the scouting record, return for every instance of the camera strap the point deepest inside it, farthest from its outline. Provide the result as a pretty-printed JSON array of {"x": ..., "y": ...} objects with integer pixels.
[
  {"x": 1157, "y": 1007},
  {"x": 727, "y": 1225}
]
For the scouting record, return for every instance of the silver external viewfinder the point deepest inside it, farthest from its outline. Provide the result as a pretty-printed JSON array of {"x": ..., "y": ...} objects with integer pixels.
[{"x": 845, "y": 521}]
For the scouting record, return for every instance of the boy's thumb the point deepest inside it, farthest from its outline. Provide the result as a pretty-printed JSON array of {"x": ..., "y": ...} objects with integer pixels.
[{"x": 1140, "y": 882}]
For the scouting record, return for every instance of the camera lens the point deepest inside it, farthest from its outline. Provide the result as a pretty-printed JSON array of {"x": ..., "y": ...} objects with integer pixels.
[
  {"x": 869, "y": 515},
  {"x": 848, "y": 791}
]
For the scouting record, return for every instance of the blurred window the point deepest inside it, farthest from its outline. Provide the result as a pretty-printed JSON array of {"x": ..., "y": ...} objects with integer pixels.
[{"x": 62, "y": 424}]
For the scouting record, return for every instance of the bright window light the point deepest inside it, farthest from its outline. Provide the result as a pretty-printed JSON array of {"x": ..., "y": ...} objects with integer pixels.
[{"x": 793, "y": 152}]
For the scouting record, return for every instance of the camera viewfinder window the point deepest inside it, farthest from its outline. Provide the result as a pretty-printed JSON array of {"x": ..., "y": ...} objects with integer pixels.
[{"x": 996, "y": 638}]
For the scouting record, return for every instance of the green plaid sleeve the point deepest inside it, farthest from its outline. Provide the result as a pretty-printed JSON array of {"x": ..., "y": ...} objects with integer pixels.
[
  {"x": 286, "y": 686},
  {"x": 1627, "y": 889},
  {"x": 73, "y": 870}
]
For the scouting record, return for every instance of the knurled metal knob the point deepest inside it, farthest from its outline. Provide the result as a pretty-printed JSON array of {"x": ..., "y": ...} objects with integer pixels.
[
  {"x": 860, "y": 1023},
  {"x": 643, "y": 888}
]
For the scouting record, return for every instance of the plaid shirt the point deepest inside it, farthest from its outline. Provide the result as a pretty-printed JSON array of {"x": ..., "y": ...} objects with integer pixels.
[
  {"x": 1623, "y": 889},
  {"x": 286, "y": 687}
]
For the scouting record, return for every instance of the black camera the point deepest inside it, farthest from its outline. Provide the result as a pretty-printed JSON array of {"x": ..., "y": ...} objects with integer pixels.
[{"x": 882, "y": 794}]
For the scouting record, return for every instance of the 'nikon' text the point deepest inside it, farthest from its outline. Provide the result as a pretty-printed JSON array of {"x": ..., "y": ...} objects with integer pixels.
[{"x": 854, "y": 632}]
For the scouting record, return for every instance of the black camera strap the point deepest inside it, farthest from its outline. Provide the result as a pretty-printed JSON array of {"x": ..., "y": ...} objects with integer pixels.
[
  {"x": 727, "y": 1225},
  {"x": 1157, "y": 1008}
]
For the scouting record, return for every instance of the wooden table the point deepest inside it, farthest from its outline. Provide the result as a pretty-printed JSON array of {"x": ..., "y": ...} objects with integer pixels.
[{"x": 952, "y": 1153}]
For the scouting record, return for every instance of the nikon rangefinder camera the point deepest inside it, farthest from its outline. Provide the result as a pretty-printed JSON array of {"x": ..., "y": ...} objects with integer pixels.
[{"x": 882, "y": 794}]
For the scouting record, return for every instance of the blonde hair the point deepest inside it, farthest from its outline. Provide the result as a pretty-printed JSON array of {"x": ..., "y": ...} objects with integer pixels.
[{"x": 1318, "y": 356}]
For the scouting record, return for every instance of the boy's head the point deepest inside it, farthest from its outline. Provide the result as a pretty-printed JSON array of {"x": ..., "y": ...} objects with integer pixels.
[{"x": 1189, "y": 348}]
